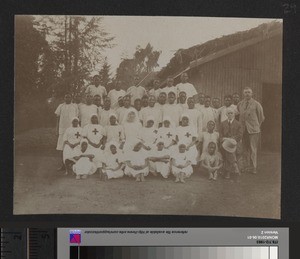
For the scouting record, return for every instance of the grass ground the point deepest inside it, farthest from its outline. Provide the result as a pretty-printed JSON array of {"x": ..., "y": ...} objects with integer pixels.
[{"x": 40, "y": 189}]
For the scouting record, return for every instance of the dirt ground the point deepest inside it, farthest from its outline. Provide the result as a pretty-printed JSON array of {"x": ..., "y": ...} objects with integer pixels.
[{"x": 40, "y": 189}]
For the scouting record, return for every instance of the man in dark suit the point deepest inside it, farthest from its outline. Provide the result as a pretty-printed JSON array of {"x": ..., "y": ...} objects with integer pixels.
[{"x": 230, "y": 129}]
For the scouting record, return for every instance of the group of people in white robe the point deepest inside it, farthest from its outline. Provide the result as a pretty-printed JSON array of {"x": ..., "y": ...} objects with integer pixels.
[{"x": 166, "y": 131}]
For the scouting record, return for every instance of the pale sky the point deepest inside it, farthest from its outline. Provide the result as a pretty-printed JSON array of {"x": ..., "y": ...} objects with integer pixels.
[{"x": 168, "y": 34}]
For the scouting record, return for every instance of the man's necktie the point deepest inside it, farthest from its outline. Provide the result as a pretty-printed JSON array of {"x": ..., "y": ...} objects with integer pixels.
[{"x": 247, "y": 103}]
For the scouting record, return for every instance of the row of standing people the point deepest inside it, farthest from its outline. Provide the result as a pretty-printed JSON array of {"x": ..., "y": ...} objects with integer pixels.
[{"x": 199, "y": 113}]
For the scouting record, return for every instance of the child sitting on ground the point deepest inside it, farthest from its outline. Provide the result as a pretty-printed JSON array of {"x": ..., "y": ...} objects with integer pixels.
[
  {"x": 137, "y": 163},
  {"x": 83, "y": 158},
  {"x": 211, "y": 161},
  {"x": 181, "y": 165},
  {"x": 112, "y": 162},
  {"x": 159, "y": 160}
]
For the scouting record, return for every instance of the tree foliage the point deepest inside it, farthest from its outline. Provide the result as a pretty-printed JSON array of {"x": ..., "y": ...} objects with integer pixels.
[
  {"x": 31, "y": 58},
  {"x": 77, "y": 43},
  {"x": 143, "y": 63},
  {"x": 105, "y": 74}
]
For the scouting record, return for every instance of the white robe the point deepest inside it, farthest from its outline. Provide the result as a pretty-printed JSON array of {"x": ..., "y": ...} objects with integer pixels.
[
  {"x": 114, "y": 96},
  {"x": 136, "y": 92},
  {"x": 186, "y": 135},
  {"x": 104, "y": 117},
  {"x": 73, "y": 136},
  {"x": 114, "y": 133},
  {"x": 195, "y": 119},
  {"x": 168, "y": 89},
  {"x": 160, "y": 167},
  {"x": 113, "y": 161},
  {"x": 84, "y": 166},
  {"x": 66, "y": 113},
  {"x": 132, "y": 134},
  {"x": 94, "y": 132},
  {"x": 85, "y": 113},
  {"x": 174, "y": 111},
  {"x": 122, "y": 113},
  {"x": 181, "y": 159},
  {"x": 149, "y": 136},
  {"x": 151, "y": 111},
  {"x": 167, "y": 135},
  {"x": 208, "y": 114},
  {"x": 99, "y": 90},
  {"x": 138, "y": 159},
  {"x": 188, "y": 88}
]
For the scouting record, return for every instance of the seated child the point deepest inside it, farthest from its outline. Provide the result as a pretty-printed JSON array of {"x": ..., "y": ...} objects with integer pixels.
[
  {"x": 211, "y": 161},
  {"x": 137, "y": 164},
  {"x": 159, "y": 160},
  {"x": 181, "y": 165},
  {"x": 83, "y": 164},
  {"x": 112, "y": 162},
  {"x": 71, "y": 139}
]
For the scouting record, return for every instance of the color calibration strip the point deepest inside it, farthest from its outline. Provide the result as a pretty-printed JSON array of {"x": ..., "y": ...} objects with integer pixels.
[{"x": 174, "y": 252}]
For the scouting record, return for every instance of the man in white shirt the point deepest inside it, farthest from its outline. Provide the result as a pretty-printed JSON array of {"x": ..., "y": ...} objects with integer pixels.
[
  {"x": 216, "y": 105},
  {"x": 96, "y": 88},
  {"x": 172, "y": 109},
  {"x": 185, "y": 86},
  {"x": 115, "y": 94},
  {"x": 208, "y": 113},
  {"x": 97, "y": 101},
  {"x": 152, "y": 110},
  {"x": 104, "y": 113},
  {"x": 170, "y": 87},
  {"x": 87, "y": 110},
  {"x": 182, "y": 102},
  {"x": 199, "y": 101},
  {"x": 155, "y": 89},
  {"x": 122, "y": 111},
  {"x": 136, "y": 91}
]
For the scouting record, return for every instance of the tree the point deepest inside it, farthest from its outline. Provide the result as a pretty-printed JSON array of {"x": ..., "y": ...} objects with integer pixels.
[
  {"x": 77, "y": 43},
  {"x": 105, "y": 74},
  {"x": 143, "y": 62},
  {"x": 31, "y": 51}
]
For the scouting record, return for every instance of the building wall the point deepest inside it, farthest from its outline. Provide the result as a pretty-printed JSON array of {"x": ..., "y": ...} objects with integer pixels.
[{"x": 252, "y": 66}]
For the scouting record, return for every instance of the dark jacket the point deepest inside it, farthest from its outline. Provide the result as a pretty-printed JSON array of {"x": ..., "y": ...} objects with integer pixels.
[{"x": 234, "y": 130}]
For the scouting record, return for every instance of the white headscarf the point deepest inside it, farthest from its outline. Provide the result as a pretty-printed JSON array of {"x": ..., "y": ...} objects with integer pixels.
[
  {"x": 75, "y": 118},
  {"x": 130, "y": 110},
  {"x": 168, "y": 118},
  {"x": 185, "y": 115},
  {"x": 113, "y": 114}
]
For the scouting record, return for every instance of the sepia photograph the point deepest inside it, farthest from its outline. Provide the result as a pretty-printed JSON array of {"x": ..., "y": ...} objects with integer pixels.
[{"x": 152, "y": 115}]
